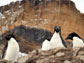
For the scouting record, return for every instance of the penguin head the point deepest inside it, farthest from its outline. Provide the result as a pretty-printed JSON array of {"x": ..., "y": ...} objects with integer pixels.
[
  {"x": 48, "y": 39},
  {"x": 57, "y": 29},
  {"x": 71, "y": 35},
  {"x": 8, "y": 37}
]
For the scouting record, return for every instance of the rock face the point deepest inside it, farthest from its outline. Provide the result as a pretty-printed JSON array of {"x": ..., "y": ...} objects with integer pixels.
[
  {"x": 32, "y": 34},
  {"x": 48, "y": 17}
]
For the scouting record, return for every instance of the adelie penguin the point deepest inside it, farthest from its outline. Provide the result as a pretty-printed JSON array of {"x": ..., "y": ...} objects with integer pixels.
[
  {"x": 57, "y": 40},
  {"x": 46, "y": 45},
  {"x": 11, "y": 49},
  {"x": 76, "y": 40}
]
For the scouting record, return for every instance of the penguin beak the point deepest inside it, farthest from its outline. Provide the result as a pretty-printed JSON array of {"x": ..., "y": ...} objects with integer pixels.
[{"x": 57, "y": 31}]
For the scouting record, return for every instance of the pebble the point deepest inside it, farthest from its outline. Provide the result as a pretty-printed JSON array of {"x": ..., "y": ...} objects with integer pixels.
[
  {"x": 60, "y": 54},
  {"x": 67, "y": 61}
]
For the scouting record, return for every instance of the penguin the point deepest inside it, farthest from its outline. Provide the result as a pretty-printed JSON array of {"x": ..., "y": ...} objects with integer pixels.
[
  {"x": 46, "y": 45},
  {"x": 11, "y": 49},
  {"x": 57, "y": 40},
  {"x": 77, "y": 41}
]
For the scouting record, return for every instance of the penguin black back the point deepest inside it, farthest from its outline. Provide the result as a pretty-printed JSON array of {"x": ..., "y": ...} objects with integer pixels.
[
  {"x": 8, "y": 37},
  {"x": 71, "y": 35},
  {"x": 4, "y": 50}
]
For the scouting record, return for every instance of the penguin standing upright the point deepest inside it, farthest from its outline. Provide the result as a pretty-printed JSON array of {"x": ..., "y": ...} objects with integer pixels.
[
  {"x": 76, "y": 40},
  {"x": 11, "y": 49},
  {"x": 46, "y": 45},
  {"x": 57, "y": 40}
]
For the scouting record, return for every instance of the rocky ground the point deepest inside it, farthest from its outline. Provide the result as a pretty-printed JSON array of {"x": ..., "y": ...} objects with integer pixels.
[{"x": 59, "y": 55}]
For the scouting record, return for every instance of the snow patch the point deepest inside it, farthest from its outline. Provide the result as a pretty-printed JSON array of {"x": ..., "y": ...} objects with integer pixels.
[
  {"x": 6, "y": 2},
  {"x": 22, "y": 54},
  {"x": 79, "y": 5},
  {"x": 1, "y": 16}
]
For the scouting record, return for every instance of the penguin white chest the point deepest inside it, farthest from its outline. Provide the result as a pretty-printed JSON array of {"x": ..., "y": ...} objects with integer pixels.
[
  {"x": 56, "y": 41},
  {"x": 46, "y": 45},
  {"x": 12, "y": 50},
  {"x": 77, "y": 42}
]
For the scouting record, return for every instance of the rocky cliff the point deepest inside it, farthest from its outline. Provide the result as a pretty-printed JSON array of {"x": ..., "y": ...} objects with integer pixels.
[{"x": 45, "y": 18}]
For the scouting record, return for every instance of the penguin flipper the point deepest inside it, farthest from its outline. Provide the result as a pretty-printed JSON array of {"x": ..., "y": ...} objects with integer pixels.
[{"x": 4, "y": 50}]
